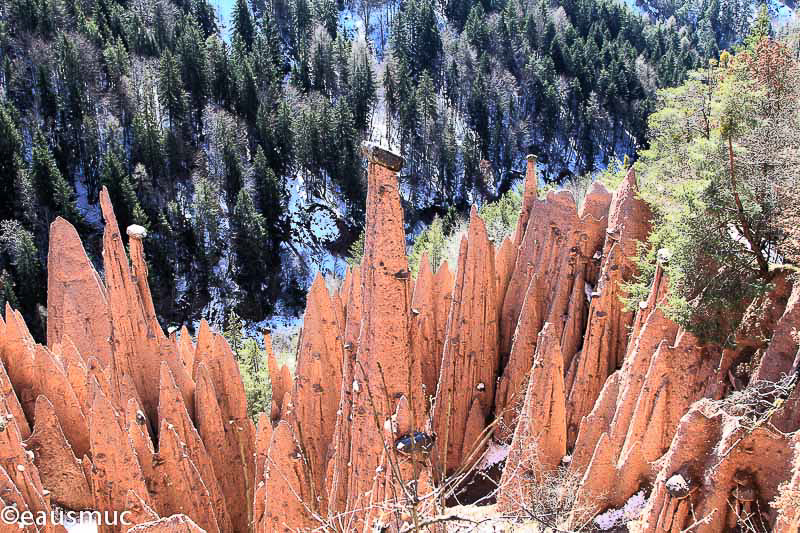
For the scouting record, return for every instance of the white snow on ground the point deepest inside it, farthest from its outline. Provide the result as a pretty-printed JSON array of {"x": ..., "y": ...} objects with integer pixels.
[
  {"x": 618, "y": 517},
  {"x": 380, "y": 20},
  {"x": 85, "y": 524},
  {"x": 91, "y": 213},
  {"x": 495, "y": 453}
]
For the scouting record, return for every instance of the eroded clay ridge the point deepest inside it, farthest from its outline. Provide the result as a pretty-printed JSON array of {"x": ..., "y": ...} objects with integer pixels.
[
  {"x": 113, "y": 415},
  {"x": 403, "y": 388}
]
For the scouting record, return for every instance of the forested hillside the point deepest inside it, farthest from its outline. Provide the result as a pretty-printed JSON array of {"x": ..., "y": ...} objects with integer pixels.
[{"x": 238, "y": 148}]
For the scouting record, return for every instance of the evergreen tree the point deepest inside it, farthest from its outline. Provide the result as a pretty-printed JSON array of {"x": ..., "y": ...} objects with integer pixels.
[
  {"x": 191, "y": 51},
  {"x": 10, "y": 161},
  {"x": 234, "y": 332},
  {"x": 761, "y": 28},
  {"x": 121, "y": 189},
  {"x": 248, "y": 234},
  {"x": 363, "y": 90},
  {"x": 171, "y": 92},
  {"x": 219, "y": 71},
  {"x": 243, "y": 23},
  {"x": 271, "y": 198},
  {"x": 53, "y": 190}
]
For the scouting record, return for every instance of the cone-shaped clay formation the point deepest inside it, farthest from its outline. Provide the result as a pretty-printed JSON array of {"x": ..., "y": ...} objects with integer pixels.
[
  {"x": 263, "y": 438},
  {"x": 180, "y": 487},
  {"x": 116, "y": 465},
  {"x": 429, "y": 308},
  {"x": 53, "y": 383},
  {"x": 656, "y": 387},
  {"x": 504, "y": 259},
  {"x": 19, "y": 359},
  {"x": 280, "y": 378},
  {"x": 470, "y": 361},
  {"x": 558, "y": 245},
  {"x": 19, "y": 465},
  {"x": 286, "y": 484},
  {"x": 11, "y": 403},
  {"x": 223, "y": 374},
  {"x": 77, "y": 304},
  {"x": 730, "y": 474},
  {"x": 613, "y": 411},
  {"x": 10, "y": 496},
  {"x": 228, "y": 445},
  {"x": 317, "y": 386},
  {"x": 511, "y": 386},
  {"x": 138, "y": 432},
  {"x": 529, "y": 196},
  {"x": 540, "y": 438},
  {"x": 186, "y": 349},
  {"x": 606, "y": 336},
  {"x": 383, "y": 355},
  {"x": 77, "y": 373},
  {"x": 172, "y": 411},
  {"x": 60, "y": 471},
  {"x": 336, "y": 481}
]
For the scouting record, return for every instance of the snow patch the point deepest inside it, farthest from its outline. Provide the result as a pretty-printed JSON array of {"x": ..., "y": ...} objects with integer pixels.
[
  {"x": 618, "y": 517},
  {"x": 495, "y": 454}
]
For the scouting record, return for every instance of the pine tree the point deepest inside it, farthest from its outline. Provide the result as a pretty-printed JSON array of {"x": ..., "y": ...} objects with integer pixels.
[
  {"x": 248, "y": 235},
  {"x": 234, "y": 333},
  {"x": 206, "y": 215},
  {"x": 271, "y": 198},
  {"x": 219, "y": 71},
  {"x": 10, "y": 160},
  {"x": 7, "y": 295},
  {"x": 191, "y": 52},
  {"x": 761, "y": 28},
  {"x": 148, "y": 142},
  {"x": 53, "y": 190},
  {"x": 171, "y": 91},
  {"x": 243, "y": 23},
  {"x": 363, "y": 92},
  {"x": 326, "y": 13},
  {"x": 26, "y": 285},
  {"x": 121, "y": 190}
]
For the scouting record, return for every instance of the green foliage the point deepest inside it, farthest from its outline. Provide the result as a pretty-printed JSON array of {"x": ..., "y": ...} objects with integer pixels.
[
  {"x": 243, "y": 22},
  {"x": 252, "y": 366},
  {"x": 501, "y": 216},
  {"x": 7, "y": 296},
  {"x": 121, "y": 190},
  {"x": 761, "y": 29},
  {"x": 257, "y": 385},
  {"x": 440, "y": 240},
  {"x": 613, "y": 175},
  {"x": 130, "y": 94},
  {"x": 18, "y": 244},
  {"x": 431, "y": 242},
  {"x": 10, "y": 160},
  {"x": 356, "y": 251},
  {"x": 714, "y": 199},
  {"x": 53, "y": 189}
]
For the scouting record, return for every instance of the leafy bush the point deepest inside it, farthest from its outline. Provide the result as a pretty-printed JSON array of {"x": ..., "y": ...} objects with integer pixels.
[
  {"x": 720, "y": 180},
  {"x": 252, "y": 360},
  {"x": 441, "y": 240}
]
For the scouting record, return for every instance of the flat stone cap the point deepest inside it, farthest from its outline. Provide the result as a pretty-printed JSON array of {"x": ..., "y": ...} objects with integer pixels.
[
  {"x": 382, "y": 156},
  {"x": 136, "y": 231},
  {"x": 532, "y": 158}
]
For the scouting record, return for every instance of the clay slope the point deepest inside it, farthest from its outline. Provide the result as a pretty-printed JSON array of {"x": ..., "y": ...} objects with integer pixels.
[
  {"x": 108, "y": 434},
  {"x": 525, "y": 357}
]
